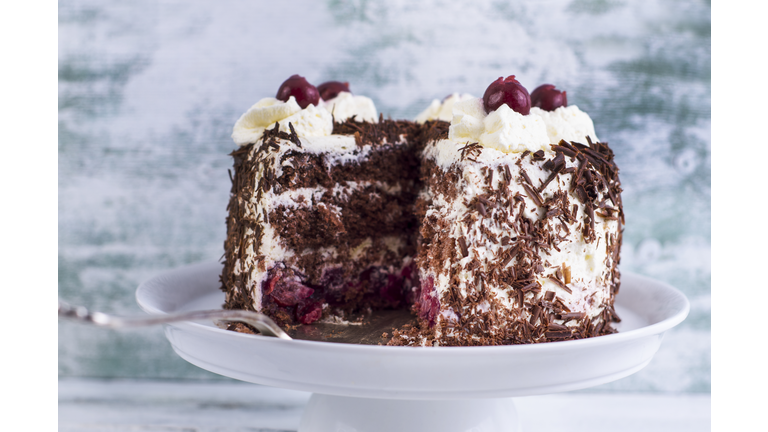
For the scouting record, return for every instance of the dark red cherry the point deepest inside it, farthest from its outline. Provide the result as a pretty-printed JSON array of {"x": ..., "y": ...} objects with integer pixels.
[
  {"x": 290, "y": 293},
  {"x": 428, "y": 304},
  {"x": 548, "y": 98},
  {"x": 309, "y": 312},
  {"x": 392, "y": 291},
  {"x": 331, "y": 89},
  {"x": 507, "y": 91},
  {"x": 298, "y": 87}
]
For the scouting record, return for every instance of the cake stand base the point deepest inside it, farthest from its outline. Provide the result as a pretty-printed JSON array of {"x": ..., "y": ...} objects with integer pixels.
[{"x": 326, "y": 413}]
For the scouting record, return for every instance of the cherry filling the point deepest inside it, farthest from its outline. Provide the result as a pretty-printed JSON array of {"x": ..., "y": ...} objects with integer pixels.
[
  {"x": 410, "y": 281},
  {"x": 309, "y": 312},
  {"x": 428, "y": 305},
  {"x": 392, "y": 290},
  {"x": 289, "y": 298},
  {"x": 285, "y": 289}
]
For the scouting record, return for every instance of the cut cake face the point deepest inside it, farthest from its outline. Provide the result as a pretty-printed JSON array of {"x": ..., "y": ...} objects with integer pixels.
[{"x": 323, "y": 226}]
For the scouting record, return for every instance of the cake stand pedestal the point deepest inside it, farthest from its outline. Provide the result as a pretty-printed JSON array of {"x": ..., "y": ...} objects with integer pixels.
[
  {"x": 338, "y": 413},
  {"x": 381, "y": 388}
]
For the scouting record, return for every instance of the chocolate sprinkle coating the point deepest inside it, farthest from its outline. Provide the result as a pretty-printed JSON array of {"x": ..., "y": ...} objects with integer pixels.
[
  {"x": 470, "y": 311},
  {"x": 519, "y": 266}
]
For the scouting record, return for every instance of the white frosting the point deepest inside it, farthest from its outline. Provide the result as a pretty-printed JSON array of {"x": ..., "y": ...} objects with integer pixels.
[
  {"x": 567, "y": 123},
  {"x": 438, "y": 110},
  {"x": 346, "y": 105},
  {"x": 328, "y": 144},
  {"x": 300, "y": 197},
  {"x": 312, "y": 121},
  {"x": 511, "y": 132},
  {"x": 467, "y": 121},
  {"x": 307, "y": 122}
]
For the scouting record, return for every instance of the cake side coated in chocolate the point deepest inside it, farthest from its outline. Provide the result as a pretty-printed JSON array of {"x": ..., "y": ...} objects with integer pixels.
[{"x": 516, "y": 248}]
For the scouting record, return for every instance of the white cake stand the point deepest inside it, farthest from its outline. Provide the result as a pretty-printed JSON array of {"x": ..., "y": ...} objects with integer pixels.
[{"x": 381, "y": 388}]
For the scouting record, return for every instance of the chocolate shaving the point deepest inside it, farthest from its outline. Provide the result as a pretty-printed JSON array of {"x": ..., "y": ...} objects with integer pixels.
[
  {"x": 560, "y": 304},
  {"x": 563, "y": 149},
  {"x": 560, "y": 283},
  {"x": 294, "y": 136},
  {"x": 571, "y": 315},
  {"x": 481, "y": 208},
  {"x": 532, "y": 194},
  {"x": 471, "y": 151},
  {"x": 525, "y": 176},
  {"x": 506, "y": 260},
  {"x": 556, "y": 327},
  {"x": 535, "y": 312},
  {"x": 463, "y": 246},
  {"x": 560, "y": 334}
]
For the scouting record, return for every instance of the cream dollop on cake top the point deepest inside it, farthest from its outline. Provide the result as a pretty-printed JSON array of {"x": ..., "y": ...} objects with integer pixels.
[
  {"x": 307, "y": 122},
  {"x": 312, "y": 121},
  {"x": 568, "y": 123},
  {"x": 345, "y": 105},
  {"x": 511, "y": 132},
  {"x": 438, "y": 110}
]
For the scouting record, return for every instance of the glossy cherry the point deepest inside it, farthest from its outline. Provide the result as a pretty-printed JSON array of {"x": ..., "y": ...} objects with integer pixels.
[
  {"x": 548, "y": 98},
  {"x": 298, "y": 87},
  {"x": 507, "y": 91},
  {"x": 331, "y": 89}
]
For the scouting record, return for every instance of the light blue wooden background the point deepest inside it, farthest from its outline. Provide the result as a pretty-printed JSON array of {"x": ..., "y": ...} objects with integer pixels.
[{"x": 149, "y": 90}]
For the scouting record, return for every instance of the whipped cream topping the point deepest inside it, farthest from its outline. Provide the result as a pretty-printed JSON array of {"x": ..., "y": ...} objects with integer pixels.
[
  {"x": 308, "y": 122},
  {"x": 438, "y": 110},
  {"x": 511, "y": 132},
  {"x": 312, "y": 121},
  {"x": 567, "y": 123},
  {"x": 346, "y": 105}
]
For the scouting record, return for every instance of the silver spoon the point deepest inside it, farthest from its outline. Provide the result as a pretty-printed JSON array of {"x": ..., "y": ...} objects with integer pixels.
[{"x": 261, "y": 322}]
